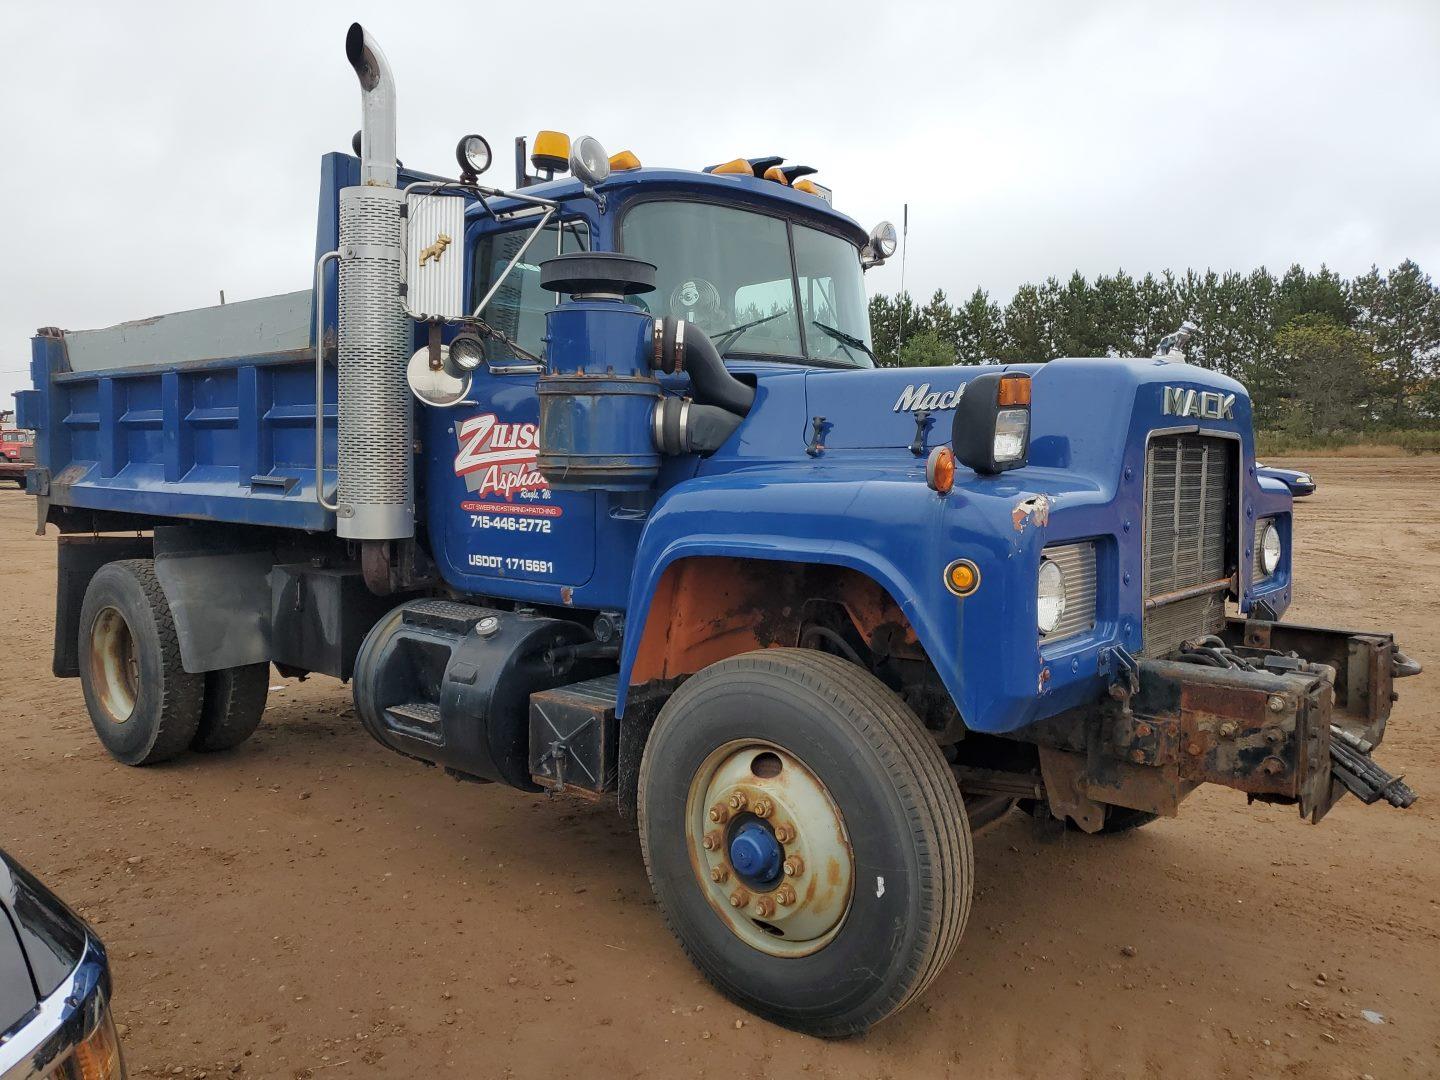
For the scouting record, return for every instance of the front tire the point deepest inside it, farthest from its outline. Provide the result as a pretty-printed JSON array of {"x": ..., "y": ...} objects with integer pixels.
[
  {"x": 797, "y": 755},
  {"x": 143, "y": 704}
]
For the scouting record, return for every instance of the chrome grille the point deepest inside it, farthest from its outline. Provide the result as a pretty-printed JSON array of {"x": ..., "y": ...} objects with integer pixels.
[
  {"x": 1189, "y": 481},
  {"x": 1077, "y": 564}
]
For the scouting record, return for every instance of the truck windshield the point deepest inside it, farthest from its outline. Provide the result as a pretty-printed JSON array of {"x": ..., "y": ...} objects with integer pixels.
[{"x": 729, "y": 272}]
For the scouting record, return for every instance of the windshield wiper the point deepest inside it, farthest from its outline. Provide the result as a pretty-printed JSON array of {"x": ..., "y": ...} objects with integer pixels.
[
  {"x": 845, "y": 339},
  {"x": 722, "y": 340}
]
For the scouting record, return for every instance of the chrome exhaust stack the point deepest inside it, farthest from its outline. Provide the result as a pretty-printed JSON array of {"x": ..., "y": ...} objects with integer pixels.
[
  {"x": 377, "y": 101},
  {"x": 375, "y": 496}
]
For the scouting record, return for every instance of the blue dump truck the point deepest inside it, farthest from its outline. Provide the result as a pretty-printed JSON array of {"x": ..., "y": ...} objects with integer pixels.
[{"x": 593, "y": 486}]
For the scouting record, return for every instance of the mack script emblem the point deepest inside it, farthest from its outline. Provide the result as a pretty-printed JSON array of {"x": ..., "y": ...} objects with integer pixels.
[
  {"x": 1207, "y": 404},
  {"x": 922, "y": 397}
]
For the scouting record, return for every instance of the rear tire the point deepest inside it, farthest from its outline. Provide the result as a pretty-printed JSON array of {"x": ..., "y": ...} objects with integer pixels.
[
  {"x": 856, "y": 780},
  {"x": 143, "y": 704},
  {"x": 234, "y": 703}
]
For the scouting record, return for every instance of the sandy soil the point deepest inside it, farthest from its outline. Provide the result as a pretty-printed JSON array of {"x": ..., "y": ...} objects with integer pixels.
[{"x": 314, "y": 905}]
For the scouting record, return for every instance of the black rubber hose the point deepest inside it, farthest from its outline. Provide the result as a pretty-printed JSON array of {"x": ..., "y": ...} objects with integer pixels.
[
  {"x": 684, "y": 427},
  {"x": 696, "y": 355}
]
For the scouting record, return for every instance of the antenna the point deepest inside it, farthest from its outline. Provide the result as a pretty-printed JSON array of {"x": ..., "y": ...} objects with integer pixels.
[{"x": 904, "y": 235}]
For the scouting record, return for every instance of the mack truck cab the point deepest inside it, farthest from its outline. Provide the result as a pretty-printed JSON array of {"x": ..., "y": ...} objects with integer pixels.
[{"x": 591, "y": 486}]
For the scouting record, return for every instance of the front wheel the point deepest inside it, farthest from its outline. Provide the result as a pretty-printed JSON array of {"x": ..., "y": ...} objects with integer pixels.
[{"x": 805, "y": 839}]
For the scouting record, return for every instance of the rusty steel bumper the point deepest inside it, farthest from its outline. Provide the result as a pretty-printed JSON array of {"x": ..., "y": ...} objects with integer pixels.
[{"x": 1287, "y": 714}]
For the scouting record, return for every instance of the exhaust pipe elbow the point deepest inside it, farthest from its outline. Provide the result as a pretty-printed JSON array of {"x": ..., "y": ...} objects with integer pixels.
[{"x": 377, "y": 104}]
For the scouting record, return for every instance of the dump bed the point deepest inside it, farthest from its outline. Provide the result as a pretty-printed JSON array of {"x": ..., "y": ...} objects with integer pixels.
[{"x": 206, "y": 414}]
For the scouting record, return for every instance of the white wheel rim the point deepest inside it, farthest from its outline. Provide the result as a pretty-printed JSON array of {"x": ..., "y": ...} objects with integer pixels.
[
  {"x": 753, "y": 784},
  {"x": 114, "y": 665}
]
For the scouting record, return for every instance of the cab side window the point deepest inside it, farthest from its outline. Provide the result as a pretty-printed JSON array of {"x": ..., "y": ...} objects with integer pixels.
[{"x": 518, "y": 309}]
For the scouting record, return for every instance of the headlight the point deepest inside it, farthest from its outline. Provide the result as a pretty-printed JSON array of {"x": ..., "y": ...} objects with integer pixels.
[
  {"x": 1011, "y": 428},
  {"x": 1303, "y": 478},
  {"x": 97, "y": 1057},
  {"x": 1050, "y": 606},
  {"x": 1269, "y": 549}
]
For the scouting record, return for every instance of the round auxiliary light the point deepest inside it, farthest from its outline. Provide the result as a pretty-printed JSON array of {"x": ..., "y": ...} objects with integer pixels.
[
  {"x": 884, "y": 239},
  {"x": 589, "y": 163},
  {"x": 1050, "y": 597},
  {"x": 467, "y": 352},
  {"x": 473, "y": 154},
  {"x": 1269, "y": 553},
  {"x": 962, "y": 577},
  {"x": 940, "y": 470}
]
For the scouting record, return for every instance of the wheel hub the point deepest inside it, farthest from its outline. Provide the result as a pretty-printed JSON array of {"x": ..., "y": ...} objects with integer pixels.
[
  {"x": 114, "y": 665},
  {"x": 769, "y": 848},
  {"x": 756, "y": 855}
]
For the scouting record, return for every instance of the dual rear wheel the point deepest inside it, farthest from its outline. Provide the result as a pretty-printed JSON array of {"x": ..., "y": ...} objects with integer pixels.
[{"x": 145, "y": 707}]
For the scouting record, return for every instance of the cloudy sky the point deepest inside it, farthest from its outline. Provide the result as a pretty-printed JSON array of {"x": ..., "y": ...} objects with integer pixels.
[{"x": 158, "y": 153}]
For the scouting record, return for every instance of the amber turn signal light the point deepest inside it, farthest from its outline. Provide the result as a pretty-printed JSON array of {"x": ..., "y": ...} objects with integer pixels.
[
  {"x": 1013, "y": 390},
  {"x": 940, "y": 470},
  {"x": 962, "y": 577}
]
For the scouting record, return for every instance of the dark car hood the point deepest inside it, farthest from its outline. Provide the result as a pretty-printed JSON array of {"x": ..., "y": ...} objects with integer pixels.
[
  {"x": 51, "y": 936},
  {"x": 18, "y": 996}
]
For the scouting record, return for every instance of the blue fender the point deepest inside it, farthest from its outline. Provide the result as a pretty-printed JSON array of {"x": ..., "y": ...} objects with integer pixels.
[{"x": 874, "y": 515}]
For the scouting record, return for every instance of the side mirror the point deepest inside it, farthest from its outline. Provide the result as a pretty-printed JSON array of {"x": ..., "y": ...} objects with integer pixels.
[{"x": 991, "y": 432}]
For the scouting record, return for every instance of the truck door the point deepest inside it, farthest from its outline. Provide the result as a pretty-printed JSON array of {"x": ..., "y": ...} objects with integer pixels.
[{"x": 492, "y": 516}]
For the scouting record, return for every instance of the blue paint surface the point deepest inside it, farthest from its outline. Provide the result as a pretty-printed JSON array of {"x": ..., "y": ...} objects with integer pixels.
[{"x": 232, "y": 440}]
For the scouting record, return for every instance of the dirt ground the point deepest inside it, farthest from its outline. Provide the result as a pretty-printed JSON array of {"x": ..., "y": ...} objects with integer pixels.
[{"x": 312, "y": 905}]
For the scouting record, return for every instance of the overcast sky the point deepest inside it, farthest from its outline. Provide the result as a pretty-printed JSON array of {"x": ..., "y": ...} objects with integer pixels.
[{"x": 156, "y": 153}]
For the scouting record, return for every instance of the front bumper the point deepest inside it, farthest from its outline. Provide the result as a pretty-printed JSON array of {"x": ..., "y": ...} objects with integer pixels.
[{"x": 1295, "y": 725}]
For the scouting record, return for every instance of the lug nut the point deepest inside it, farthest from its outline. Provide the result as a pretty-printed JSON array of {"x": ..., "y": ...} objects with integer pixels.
[
  {"x": 784, "y": 833},
  {"x": 794, "y": 866},
  {"x": 1277, "y": 703},
  {"x": 1138, "y": 756},
  {"x": 712, "y": 841},
  {"x": 762, "y": 808},
  {"x": 764, "y": 907},
  {"x": 718, "y": 874},
  {"x": 738, "y": 801},
  {"x": 1229, "y": 729},
  {"x": 739, "y": 898},
  {"x": 1272, "y": 766},
  {"x": 1273, "y": 736},
  {"x": 785, "y": 894},
  {"x": 719, "y": 813}
]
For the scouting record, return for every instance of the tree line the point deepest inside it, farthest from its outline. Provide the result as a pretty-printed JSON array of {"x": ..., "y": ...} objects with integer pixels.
[{"x": 1321, "y": 354}]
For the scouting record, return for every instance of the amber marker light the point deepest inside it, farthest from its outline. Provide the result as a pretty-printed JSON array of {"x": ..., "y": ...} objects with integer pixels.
[
  {"x": 1014, "y": 390},
  {"x": 940, "y": 470},
  {"x": 962, "y": 577}
]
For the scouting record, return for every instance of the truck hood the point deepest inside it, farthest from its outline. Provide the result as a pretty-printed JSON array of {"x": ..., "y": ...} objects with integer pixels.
[{"x": 1080, "y": 405}]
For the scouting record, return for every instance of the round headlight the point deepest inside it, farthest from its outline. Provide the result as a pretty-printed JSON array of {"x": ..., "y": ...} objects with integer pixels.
[
  {"x": 473, "y": 153},
  {"x": 589, "y": 163},
  {"x": 1050, "y": 596},
  {"x": 466, "y": 352},
  {"x": 1269, "y": 553}
]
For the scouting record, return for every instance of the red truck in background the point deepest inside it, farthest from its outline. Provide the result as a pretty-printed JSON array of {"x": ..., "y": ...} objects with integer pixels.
[{"x": 17, "y": 450}]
